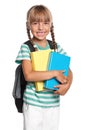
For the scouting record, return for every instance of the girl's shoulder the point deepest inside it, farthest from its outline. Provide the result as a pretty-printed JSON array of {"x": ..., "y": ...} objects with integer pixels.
[
  {"x": 61, "y": 49},
  {"x": 23, "y": 54},
  {"x": 26, "y": 45}
]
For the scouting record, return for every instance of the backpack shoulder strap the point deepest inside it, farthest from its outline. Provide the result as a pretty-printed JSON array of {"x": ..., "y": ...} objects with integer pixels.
[
  {"x": 50, "y": 44},
  {"x": 30, "y": 45}
]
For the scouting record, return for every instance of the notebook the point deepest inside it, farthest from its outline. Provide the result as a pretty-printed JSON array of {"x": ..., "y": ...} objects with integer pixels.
[
  {"x": 39, "y": 63},
  {"x": 57, "y": 61}
]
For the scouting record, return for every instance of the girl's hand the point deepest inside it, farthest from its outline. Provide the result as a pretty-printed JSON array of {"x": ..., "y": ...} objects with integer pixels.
[
  {"x": 60, "y": 77},
  {"x": 62, "y": 89}
]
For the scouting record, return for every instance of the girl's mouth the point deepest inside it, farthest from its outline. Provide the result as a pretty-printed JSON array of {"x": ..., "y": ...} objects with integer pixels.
[{"x": 40, "y": 33}]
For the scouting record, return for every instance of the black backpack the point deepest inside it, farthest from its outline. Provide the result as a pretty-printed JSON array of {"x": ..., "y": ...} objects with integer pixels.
[{"x": 20, "y": 83}]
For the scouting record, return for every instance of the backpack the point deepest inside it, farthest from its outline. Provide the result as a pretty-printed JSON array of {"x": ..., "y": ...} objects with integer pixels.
[{"x": 20, "y": 83}]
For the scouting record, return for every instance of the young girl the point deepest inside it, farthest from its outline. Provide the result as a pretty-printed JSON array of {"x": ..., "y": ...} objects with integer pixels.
[{"x": 41, "y": 109}]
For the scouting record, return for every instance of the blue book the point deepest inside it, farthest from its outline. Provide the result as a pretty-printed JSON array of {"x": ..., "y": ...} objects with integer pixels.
[{"x": 57, "y": 61}]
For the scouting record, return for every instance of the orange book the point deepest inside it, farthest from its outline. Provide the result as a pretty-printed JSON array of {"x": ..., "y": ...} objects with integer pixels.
[{"x": 39, "y": 63}]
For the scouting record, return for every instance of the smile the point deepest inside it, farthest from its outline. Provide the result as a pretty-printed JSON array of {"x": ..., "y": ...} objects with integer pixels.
[{"x": 40, "y": 33}]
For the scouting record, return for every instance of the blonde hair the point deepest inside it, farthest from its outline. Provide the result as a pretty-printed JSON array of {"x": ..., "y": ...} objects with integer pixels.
[{"x": 40, "y": 13}]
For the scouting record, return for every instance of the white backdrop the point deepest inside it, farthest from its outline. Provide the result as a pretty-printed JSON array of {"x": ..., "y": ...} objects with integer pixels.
[{"x": 70, "y": 29}]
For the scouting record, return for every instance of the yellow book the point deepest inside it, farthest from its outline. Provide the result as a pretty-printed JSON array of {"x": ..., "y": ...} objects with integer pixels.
[{"x": 39, "y": 63}]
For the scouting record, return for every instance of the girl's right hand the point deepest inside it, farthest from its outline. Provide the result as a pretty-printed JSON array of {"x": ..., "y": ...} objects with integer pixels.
[{"x": 60, "y": 77}]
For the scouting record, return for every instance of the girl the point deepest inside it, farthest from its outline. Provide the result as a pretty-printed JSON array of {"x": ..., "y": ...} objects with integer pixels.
[{"x": 41, "y": 109}]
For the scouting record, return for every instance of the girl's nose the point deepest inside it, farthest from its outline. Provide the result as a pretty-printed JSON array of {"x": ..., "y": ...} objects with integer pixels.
[{"x": 40, "y": 26}]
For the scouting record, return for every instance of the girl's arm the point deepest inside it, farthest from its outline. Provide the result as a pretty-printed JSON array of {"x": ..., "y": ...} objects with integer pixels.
[
  {"x": 63, "y": 88},
  {"x": 31, "y": 75}
]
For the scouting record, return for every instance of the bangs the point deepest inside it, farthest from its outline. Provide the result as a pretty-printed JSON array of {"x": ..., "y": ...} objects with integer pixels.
[
  {"x": 39, "y": 14},
  {"x": 40, "y": 17}
]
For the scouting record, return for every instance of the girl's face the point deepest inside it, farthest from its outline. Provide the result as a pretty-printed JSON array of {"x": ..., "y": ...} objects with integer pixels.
[{"x": 40, "y": 29}]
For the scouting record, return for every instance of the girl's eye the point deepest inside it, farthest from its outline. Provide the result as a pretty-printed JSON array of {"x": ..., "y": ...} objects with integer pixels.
[
  {"x": 46, "y": 22},
  {"x": 34, "y": 23}
]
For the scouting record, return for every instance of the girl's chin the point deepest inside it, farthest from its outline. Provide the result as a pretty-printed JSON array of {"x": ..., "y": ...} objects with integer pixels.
[{"x": 40, "y": 38}]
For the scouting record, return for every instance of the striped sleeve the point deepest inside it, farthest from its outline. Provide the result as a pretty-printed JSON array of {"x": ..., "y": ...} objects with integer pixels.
[
  {"x": 23, "y": 54},
  {"x": 61, "y": 50}
]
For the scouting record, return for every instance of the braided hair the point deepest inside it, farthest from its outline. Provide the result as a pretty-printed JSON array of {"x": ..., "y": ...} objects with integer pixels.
[{"x": 53, "y": 38}]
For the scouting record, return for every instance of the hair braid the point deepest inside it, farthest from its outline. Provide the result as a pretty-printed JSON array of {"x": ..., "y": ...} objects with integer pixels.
[
  {"x": 29, "y": 36},
  {"x": 53, "y": 37}
]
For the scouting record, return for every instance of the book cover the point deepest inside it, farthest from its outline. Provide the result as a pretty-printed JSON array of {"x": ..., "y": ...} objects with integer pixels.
[
  {"x": 39, "y": 63},
  {"x": 57, "y": 61}
]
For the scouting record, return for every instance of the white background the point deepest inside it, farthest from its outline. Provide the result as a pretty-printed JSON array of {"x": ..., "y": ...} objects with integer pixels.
[{"x": 70, "y": 30}]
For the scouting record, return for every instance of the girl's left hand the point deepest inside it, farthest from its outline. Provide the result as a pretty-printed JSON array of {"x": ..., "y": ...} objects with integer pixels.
[{"x": 62, "y": 89}]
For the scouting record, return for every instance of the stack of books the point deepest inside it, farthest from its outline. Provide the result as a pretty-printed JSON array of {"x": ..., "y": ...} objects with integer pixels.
[{"x": 49, "y": 60}]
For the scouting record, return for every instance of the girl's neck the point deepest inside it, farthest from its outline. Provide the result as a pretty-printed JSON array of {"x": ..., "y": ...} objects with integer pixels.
[{"x": 41, "y": 43}]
